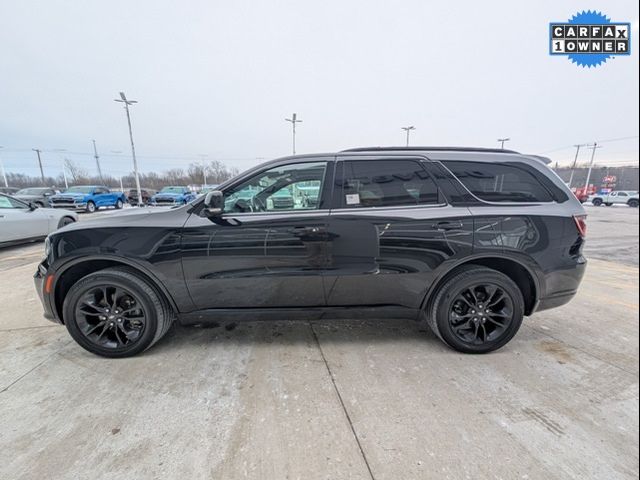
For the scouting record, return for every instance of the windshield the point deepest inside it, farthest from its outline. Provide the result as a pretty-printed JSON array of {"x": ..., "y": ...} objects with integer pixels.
[
  {"x": 79, "y": 190},
  {"x": 31, "y": 191},
  {"x": 173, "y": 190}
]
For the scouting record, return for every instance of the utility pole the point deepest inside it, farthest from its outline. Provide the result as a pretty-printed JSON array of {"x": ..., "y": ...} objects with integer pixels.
[
  {"x": 294, "y": 120},
  {"x": 123, "y": 99},
  {"x": 37, "y": 150},
  {"x": 593, "y": 154},
  {"x": 95, "y": 155},
  {"x": 4, "y": 175},
  {"x": 502, "y": 141},
  {"x": 408, "y": 130},
  {"x": 575, "y": 161}
]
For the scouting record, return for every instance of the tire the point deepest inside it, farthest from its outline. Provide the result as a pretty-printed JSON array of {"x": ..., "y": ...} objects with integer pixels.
[
  {"x": 64, "y": 221},
  {"x": 597, "y": 202},
  {"x": 443, "y": 310},
  {"x": 608, "y": 204},
  {"x": 119, "y": 204},
  {"x": 39, "y": 204},
  {"x": 131, "y": 292},
  {"x": 91, "y": 207},
  {"x": 633, "y": 203}
]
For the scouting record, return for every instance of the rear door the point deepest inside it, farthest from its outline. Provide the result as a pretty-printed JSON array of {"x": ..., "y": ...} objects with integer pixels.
[{"x": 390, "y": 230}]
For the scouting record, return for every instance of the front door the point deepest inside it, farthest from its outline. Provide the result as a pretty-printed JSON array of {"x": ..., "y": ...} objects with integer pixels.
[
  {"x": 390, "y": 229},
  {"x": 268, "y": 249}
]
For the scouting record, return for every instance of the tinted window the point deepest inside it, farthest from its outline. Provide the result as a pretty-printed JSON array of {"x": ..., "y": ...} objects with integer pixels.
[
  {"x": 8, "y": 202},
  {"x": 296, "y": 186},
  {"x": 498, "y": 182},
  {"x": 383, "y": 183}
]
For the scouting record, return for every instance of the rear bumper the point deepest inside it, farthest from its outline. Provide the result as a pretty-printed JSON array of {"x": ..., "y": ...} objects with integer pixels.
[
  {"x": 39, "y": 279},
  {"x": 562, "y": 285}
]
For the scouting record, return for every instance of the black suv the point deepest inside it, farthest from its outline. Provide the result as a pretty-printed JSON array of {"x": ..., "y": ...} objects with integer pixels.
[{"x": 466, "y": 241}]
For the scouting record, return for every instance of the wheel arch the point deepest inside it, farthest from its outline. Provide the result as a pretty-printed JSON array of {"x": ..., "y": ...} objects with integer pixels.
[
  {"x": 71, "y": 272},
  {"x": 523, "y": 276}
]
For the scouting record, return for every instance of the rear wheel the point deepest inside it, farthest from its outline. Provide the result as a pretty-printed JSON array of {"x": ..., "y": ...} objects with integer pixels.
[
  {"x": 477, "y": 310},
  {"x": 91, "y": 207},
  {"x": 597, "y": 202},
  {"x": 633, "y": 203},
  {"x": 115, "y": 313},
  {"x": 119, "y": 204},
  {"x": 65, "y": 221},
  {"x": 608, "y": 204}
]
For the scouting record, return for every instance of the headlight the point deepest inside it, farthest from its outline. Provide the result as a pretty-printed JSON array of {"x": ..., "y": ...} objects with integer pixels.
[{"x": 47, "y": 247}]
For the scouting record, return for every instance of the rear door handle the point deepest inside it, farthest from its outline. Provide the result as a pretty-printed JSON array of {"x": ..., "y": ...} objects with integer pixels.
[
  {"x": 310, "y": 230},
  {"x": 444, "y": 226}
]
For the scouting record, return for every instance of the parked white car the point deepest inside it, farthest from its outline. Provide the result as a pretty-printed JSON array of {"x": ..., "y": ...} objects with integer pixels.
[
  {"x": 622, "y": 197},
  {"x": 23, "y": 222}
]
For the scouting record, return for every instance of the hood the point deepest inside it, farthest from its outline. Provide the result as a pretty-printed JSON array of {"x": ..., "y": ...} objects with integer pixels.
[
  {"x": 136, "y": 217},
  {"x": 28, "y": 197},
  {"x": 70, "y": 194},
  {"x": 170, "y": 194}
]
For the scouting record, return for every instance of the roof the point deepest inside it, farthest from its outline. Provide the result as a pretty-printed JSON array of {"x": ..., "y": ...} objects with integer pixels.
[{"x": 432, "y": 149}]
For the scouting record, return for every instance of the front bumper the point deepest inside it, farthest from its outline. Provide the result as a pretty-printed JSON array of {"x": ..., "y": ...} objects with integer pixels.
[
  {"x": 70, "y": 206},
  {"x": 40, "y": 280}
]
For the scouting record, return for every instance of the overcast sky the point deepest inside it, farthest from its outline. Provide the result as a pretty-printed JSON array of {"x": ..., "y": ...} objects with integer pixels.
[{"x": 219, "y": 77}]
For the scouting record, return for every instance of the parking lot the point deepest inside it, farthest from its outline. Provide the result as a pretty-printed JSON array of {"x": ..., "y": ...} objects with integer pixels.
[{"x": 364, "y": 399}]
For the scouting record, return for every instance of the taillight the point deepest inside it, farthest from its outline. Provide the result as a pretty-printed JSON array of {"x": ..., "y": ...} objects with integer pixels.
[{"x": 581, "y": 224}]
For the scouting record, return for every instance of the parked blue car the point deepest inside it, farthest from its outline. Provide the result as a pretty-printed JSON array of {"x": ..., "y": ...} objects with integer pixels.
[
  {"x": 88, "y": 198},
  {"x": 173, "y": 196}
]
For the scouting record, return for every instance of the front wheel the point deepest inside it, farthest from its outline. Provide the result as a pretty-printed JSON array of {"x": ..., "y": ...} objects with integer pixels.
[
  {"x": 64, "y": 221},
  {"x": 91, "y": 207},
  {"x": 597, "y": 202},
  {"x": 477, "y": 310},
  {"x": 608, "y": 204},
  {"x": 115, "y": 313}
]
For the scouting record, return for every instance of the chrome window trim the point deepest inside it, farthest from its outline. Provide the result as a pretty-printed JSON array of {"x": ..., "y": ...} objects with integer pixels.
[{"x": 487, "y": 202}]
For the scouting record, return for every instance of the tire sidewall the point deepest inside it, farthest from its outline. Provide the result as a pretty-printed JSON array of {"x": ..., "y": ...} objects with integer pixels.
[
  {"x": 450, "y": 290},
  {"x": 91, "y": 207},
  {"x": 119, "y": 204},
  {"x": 97, "y": 279},
  {"x": 597, "y": 202}
]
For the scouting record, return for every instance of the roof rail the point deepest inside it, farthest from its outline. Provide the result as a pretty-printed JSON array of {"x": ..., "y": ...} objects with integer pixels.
[{"x": 436, "y": 149}]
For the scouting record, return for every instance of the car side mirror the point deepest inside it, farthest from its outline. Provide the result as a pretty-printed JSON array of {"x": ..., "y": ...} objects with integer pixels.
[{"x": 213, "y": 204}]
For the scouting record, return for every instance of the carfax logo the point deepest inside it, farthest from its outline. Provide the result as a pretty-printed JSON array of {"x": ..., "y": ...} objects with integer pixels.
[{"x": 589, "y": 38}]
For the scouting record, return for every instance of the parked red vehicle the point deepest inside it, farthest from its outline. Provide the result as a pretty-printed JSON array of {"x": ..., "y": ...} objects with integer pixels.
[
  {"x": 583, "y": 193},
  {"x": 132, "y": 195}
]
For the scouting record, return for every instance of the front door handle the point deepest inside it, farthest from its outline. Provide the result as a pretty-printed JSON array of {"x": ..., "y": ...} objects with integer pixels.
[
  {"x": 310, "y": 230},
  {"x": 444, "y": 226}
]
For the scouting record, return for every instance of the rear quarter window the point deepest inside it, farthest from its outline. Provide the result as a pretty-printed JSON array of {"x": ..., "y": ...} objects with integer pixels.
[{"x": 505, "y": 182}]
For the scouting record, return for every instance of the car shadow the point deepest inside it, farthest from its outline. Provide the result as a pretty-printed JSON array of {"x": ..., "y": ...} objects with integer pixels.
[{"x": 291, "y": 333}]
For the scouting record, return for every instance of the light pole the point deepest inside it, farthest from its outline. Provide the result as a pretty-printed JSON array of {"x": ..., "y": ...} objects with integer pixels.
[
  {"x": 203, "y": 158},
  {"x": 593, "y": 154},
  {"x": 4, "y": 175},
  {"x": 64, "y": 171},
  {"x": 575, "y": 161},
  {"x": 502, "y": 141},
  {"x": 123, "y": 99},
  {"x": 294, "y": 120},
  {"x": 408, "y": 129},
  {"x": 95, "y": 155},
  {"x": 37, "y": 150}
]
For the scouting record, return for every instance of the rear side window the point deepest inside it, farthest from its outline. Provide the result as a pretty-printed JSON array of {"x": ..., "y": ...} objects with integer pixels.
[
  {"x": 498, "y": 182},
  {"x": 385, "y": 183}
]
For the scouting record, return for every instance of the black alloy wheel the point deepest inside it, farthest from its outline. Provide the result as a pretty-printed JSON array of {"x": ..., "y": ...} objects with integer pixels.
[
  {"x": 476, "y": 310},
  {"x": 110, "y": 317},
  {"x": 480, "y": 313},
  {"x": 116, "y": 312}
]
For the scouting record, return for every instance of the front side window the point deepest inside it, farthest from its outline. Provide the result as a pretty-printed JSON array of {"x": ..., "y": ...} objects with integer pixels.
[
  {"x": 498, "y": 182},
  {"x": 385, "y": 183},
  {"x": 296, "y": 186},
  {"x": 79, "y": 189},
  {"x": 8, "y": 202}
]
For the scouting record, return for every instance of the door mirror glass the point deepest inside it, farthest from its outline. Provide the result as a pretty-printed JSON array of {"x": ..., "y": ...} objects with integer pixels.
[{"x": 213, "y": 204}]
